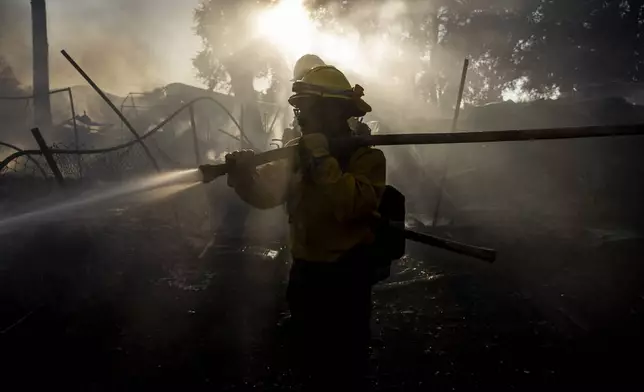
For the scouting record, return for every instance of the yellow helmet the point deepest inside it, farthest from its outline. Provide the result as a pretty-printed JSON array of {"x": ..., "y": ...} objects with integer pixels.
[
  {"x": 304, "y": 64},
  {"x": 326, "y": 81}
]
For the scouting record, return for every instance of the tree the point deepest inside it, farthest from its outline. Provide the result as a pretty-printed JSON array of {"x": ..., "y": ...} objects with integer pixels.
[
  {"x": 546, "y": 45},
  {"x": 12, "y": 112},
  {"x": 436, "y": 36},
  {"x": 541, "y": 46},
  {"x": 575, "y": 45},
  {"x": 232, "y": 57},
  {"x": 432, "y": 39},
  {"x": 9, "y": 85}
]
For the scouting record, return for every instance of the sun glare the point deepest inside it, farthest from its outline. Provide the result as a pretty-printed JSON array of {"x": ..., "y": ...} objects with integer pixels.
[{"x": 290, "y": 27}]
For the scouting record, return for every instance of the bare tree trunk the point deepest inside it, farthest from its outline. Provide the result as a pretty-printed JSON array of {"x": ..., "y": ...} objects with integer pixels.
[
  {"x": 242, "y": 84},
  {"x": 42, "y": 105}
]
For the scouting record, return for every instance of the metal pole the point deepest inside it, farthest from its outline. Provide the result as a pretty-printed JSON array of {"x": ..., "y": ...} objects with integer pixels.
[
  {"x": 210, "y": 172},
  {"x": 48, "y": 156},
  {"x": 78, "y": 157},
  {"x": 195, "y": 140},
  {"x": 28, "y": 97},
  {"x": 208, "y": 130},
  {"x": 516, "y": 135},
  {"x": 114, "y": 108},
  {"x": 457, "y": 111},
  {"x": 136, "y": 110},
  {"x": 29, "y": 157},
  {"x": 459, "y": 99},
  {"x": 277, "y": 112},
  {"x": 40, "y": 49},
  {"x": 241, "y": 125}
]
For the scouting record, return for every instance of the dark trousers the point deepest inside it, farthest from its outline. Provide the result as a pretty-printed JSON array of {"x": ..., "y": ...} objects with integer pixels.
[{"x": 330, "y": 306}]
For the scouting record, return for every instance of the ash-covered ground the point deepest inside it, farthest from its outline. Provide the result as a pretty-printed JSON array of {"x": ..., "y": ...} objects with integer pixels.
[
  {"x": 126, "y": 303},
  {"x": 137, "y": 299}
]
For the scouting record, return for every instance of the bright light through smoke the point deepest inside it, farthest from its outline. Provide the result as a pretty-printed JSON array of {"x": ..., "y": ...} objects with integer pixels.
[
  {"x": 289, "y": 25},
  {"x": 280, "y": 23}
]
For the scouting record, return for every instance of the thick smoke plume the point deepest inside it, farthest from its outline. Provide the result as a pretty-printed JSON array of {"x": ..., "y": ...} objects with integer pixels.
[{"x": 125, "y": 45}]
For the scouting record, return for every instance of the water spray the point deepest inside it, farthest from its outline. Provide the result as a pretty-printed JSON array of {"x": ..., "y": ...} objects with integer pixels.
[{"x": 166, "y": 183}]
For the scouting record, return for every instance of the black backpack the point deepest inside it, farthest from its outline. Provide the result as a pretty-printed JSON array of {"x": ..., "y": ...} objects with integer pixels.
[{"x": 389, "y": 244}]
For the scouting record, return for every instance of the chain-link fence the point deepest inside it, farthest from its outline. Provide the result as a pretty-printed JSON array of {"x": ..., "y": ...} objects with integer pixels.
[
  {"x": 118, "y": 164},
  {"x": 25, "y": 165}
]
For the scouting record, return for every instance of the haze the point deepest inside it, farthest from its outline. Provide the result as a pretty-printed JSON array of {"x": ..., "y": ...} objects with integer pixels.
[{"x": 128, "y": 44}]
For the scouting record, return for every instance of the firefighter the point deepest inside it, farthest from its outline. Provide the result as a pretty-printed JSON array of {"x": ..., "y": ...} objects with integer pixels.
[
  {"x": 305, "y": 64},
  {"x": 302, "y": 65},
  {"x": 331, "y": 192}
]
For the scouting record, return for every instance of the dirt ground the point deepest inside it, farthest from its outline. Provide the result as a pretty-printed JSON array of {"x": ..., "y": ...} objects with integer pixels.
[{"x": 126, "y": 303}]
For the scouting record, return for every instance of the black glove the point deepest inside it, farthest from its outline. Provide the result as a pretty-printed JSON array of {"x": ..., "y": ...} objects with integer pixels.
[{"x": 240, "y": 166}]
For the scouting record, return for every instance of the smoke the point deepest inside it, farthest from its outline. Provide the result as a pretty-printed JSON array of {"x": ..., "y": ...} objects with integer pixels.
[
  {"x": 14, "y": 30},
  {"x": 125, "y": 45},
  {"x": 386, "y": 46},
  {"x": 380, "y": 45}
]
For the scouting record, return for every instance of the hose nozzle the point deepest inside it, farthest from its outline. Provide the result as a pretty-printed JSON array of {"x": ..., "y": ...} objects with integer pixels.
[{"x": 212, "y": 172}]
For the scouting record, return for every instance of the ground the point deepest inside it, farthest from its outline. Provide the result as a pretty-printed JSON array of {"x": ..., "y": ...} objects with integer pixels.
[{"x": 126, "y": 303}]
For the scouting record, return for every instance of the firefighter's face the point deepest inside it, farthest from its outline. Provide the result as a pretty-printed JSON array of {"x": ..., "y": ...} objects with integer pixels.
[
  {"x": 319, "y": 116},
  {"x": 308, "y": 116}
]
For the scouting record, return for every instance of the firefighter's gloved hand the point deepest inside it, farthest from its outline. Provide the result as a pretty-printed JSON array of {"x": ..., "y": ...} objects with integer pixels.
[
  {"x": 313, "y": 149},
  {"x": 313, "y": 145},
  {"x": 240, "y": 166}
]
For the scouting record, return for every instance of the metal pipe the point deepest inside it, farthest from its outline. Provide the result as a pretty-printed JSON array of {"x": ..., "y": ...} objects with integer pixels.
[
  {"x": 195, "y": 140},
  {"x": 29, "y": 157},
  {"x": 503, "y": 136},
  {"x": 208, "y": 130},
  {"x": 130, "y": 96},
  {"x": 78, "y": 157},
  {"x": 395, "y": 139},
  {"x": 445, "y": 168},
  {"x": 114, "y": 108},
  {"x": 149, "y": 133},
  {"x": 459, "y": 99},
  {"x": 277, "y": 112},
  {"x": 27, "y": 97},
  {"x": 241, "y": 126},
  {"x": 40, "y": 51},
  {"x": 485, "y": 254},
  {"x": 230, "y": 135},
  {"x": 210, "y": 172},
  {"x": 48, "y": 156}
]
